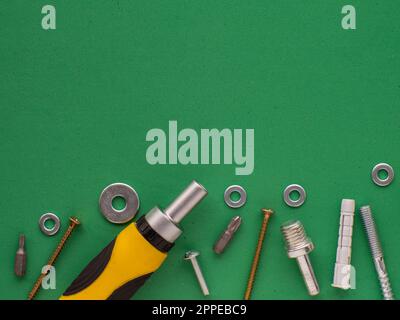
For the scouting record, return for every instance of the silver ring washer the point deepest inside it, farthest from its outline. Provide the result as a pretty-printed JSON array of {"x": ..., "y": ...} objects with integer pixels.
[
  {"x": 382, "y": 167},
  {"x": 294, "y": 203},
  {"x": 131, "y": 200},
  {"x": 238, "y": 203},
  {"x": 49, "y": 231}
]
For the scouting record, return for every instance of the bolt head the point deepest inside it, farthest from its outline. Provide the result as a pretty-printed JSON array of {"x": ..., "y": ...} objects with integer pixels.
[{"x": 191, "y": 255}]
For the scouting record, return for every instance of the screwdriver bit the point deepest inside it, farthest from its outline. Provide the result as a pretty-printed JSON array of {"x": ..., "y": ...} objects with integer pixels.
[
  {"x": 227, "y": 235},
  {"x": 20, "y": 258}
]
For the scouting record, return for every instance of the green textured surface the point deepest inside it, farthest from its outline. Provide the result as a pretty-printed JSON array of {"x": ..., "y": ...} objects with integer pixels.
[{"x": 76, "y": 104}]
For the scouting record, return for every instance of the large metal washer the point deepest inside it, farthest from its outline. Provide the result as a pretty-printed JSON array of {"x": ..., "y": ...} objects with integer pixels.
[
  {"x": 242, "y": 196},
  {"x": 382, "y": 167},
  {"x": 128, "y": 194}
]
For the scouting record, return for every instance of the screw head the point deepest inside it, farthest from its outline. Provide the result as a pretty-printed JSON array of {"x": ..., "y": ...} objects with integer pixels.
[
  {"x": 191, "y": 255},
  {"x": 267, "y": 212},
  {"x": 74, "y": 221}
]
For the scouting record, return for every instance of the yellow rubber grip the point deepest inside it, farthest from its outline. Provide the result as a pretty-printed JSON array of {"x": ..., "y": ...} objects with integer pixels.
[{"x": 132, "y": 257}]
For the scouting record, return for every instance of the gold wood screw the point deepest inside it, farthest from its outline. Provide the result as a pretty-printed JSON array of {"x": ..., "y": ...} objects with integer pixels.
[
  {"x": 267, "y": 213},
  {"x": 73, "y": 223}
]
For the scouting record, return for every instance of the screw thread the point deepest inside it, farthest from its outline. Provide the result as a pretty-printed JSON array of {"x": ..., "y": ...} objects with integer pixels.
[
  {"x": 297, "y": 246},
  {"x": 250, "y": 283},
  {"x": 386, "y": 287},
  {"x": 73, "y": 223},
  {"x": 61, "y": 245},
  {"x": 376, "y": 250},
  {"x": 294, "y": 235},
  {"x": 370, "y": 229}
]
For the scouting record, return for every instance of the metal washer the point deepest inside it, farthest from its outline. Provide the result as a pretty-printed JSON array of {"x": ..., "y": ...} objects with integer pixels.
[
  {"x": 382, "y": 167},
  {"x": 294, "y": 203},
  {"x": 238, "y": 203},
  {"x": 119, "y": 190},
  {"x": 46, "y": 217}
]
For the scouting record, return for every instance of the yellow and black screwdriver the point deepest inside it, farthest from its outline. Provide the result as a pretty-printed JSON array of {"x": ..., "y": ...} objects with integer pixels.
[{"x": 125, "y": 264}]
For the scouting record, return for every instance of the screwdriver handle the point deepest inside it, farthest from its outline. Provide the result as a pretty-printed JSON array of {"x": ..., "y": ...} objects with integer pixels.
[
  {"x": 119, "y": 270},
  {"x": 122, "y": 267}
]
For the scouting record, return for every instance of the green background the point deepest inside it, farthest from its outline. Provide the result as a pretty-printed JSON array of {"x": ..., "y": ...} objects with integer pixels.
[{"x": 76, "y": 104}]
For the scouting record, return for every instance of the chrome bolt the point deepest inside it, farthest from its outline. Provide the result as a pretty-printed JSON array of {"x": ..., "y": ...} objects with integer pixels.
[{"x": 192, "y": 256}]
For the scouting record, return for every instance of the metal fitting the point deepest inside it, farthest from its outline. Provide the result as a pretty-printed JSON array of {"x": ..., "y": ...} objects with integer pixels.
[
  {"x": 382, "y": 182},
  {"x": 192, "y": 257},
  {"x": 130, "y": 197},
  {"x": 342, "y": 271},
  {"x": 235, "y": 203},
  {"x": 288, "y": 192},
  {"x": 42, "y": 223},
  {"x": 298, "y": 246},
  {"x": 376, "y": 251}
]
